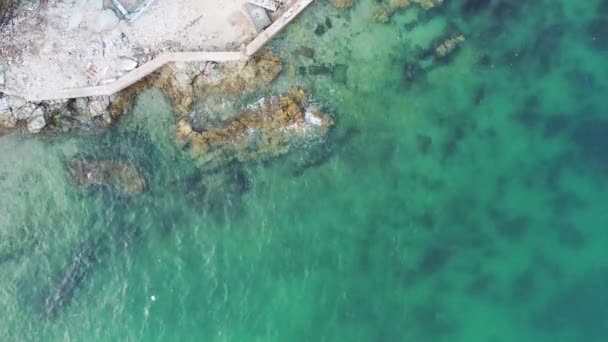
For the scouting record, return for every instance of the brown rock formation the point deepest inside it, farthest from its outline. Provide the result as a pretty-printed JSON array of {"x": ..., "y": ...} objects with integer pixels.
[
  {"x": 238, "y": 78},
  {"x": 268, "y": 129}
]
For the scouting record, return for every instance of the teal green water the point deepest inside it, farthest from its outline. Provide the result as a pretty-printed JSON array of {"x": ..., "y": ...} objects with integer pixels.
[{"x": 463, "y": 202}]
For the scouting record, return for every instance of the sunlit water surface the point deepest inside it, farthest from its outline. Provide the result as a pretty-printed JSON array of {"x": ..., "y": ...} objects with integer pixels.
[{"x": 466, "y": 201}]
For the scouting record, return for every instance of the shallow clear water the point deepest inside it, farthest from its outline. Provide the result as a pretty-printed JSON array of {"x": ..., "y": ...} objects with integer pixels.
[{"x": 467, "y": 204}]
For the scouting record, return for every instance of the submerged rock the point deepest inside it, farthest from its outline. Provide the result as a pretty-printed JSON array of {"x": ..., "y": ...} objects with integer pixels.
[
  {"x": 448, "y": 46},
  {"x": 122, "y": 176}
]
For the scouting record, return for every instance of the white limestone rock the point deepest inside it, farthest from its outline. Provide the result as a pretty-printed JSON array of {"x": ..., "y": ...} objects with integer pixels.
[
  {"x": 16, "y": 102},
  {"x": 98, "y": 106},
  {"x": 36, "y": 122},
  {"x": 24, "y": 112},
  {"x": 56, "y": 105},
  {"x": 81, "y": 105},
  {"x": 6, "y": 115}
]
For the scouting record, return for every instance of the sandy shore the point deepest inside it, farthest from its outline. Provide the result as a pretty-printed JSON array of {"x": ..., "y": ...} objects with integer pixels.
[{"x": 78, "y": 43}]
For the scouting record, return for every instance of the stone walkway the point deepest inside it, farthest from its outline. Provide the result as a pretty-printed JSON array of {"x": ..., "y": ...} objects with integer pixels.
[{"x": 153, "y": 65}]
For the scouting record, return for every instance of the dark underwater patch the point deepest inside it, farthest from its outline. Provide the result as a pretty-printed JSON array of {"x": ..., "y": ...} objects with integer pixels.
[
  {"x": 481, "y": 285},
  {"x": 431, "y": 322},
  {"x": 411, "y": 73},
  {"x": 473, "y": 7},
  {"x": 570, "y": 236},
  {"x": 528, "y": 118},
  {"x": 433, "y": 260},
  {"x": 591, "y": 139},
  {"x": 581, "y": 308},
  {"x": 523, "y": 286},
  {"x": 597, "y": 33},
  {"x": 548, "y": 41},
  {"x": 507, "y": 10},
  {"x": 479, "y": 95},
  {"x": 513, "y": 227},
  {"x": 529, "y": 115},
  {"x": 556, "y": 125},
  {"x": 424, "y": 143}
]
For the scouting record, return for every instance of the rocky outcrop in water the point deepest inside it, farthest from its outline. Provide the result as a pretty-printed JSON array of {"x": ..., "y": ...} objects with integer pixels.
[
  {"x": 122, "y": 176},
  {"x": 266, "y": 129}
]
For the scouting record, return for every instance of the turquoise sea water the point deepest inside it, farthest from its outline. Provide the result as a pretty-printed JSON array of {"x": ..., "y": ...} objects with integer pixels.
[{"x": 456, "y": 200}]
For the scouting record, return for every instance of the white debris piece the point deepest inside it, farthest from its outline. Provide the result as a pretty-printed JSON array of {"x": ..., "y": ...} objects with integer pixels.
[
  {"x": 107, "y": 20},
  {"x": 127, "y": 64}
]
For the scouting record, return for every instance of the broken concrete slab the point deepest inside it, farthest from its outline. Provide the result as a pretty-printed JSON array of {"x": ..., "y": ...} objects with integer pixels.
[
  {"x": 258, "y": 16},
  {"x": 271, "y": 5}
]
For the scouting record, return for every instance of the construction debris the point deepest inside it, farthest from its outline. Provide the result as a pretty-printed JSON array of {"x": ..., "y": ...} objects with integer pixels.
[{"x": 258, "y": 17}]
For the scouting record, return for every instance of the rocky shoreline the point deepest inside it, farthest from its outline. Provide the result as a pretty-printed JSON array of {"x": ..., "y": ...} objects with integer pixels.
[{"x": 199, "y": 92}]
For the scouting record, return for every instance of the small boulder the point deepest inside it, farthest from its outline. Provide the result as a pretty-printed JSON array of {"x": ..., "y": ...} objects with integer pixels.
[{"x": 127, "y": 64}]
